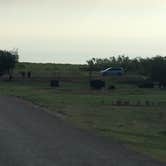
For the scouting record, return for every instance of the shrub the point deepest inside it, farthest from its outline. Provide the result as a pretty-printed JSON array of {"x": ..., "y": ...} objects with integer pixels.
[
  {"x": 162, "y": 84},
  {"x": 54, "y": 83},
  {"x": 97, "y": 84},
  {"x": 7, "y": 63},
  {"x": 111, "y": 87},
  {"x": 22, "y": 74},
  {"x": 29, "y": 74},
  {"x": 147, "y": 84}
]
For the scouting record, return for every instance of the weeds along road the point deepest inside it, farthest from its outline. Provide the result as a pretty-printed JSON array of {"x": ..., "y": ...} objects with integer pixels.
[{"x": 32, "y": 137}]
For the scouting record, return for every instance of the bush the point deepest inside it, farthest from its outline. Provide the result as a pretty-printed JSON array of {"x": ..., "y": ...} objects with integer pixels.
[
  {"x": 29, "y": 74},
  {"x": 162, "y": 84},
  {"x": 7, "y": 62},
  {"x": 148, "y": 84},
  {"x": 97, "y": 84},
  {"x": 22, "y": 74},
  {"x": 111, "y": 87},
  {"x": 54, "y": 83}
]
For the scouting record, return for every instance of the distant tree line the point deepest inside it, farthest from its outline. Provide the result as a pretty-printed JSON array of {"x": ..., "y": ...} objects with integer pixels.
[{"x": 154, "y": 68}]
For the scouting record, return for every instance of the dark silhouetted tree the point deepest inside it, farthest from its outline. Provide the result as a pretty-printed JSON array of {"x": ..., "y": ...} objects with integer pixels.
[
  {"x": 7, "y": 62},
  {"x": 91, "y": 67},
  {"x": 158, "y": 69}
]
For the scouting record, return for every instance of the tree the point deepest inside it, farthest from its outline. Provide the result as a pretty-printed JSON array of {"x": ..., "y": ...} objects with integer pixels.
[
  {"x": 7, "y": 62},
  {"x": 154, "y": 67},
  {"x": 91, "y": 65},
  {"x": 158, "y": 69}
]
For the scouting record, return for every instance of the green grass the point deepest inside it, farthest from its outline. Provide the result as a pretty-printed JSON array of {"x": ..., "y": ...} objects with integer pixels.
[
  {"x": 51, "y": 70},
  {"x": 141, "y": 127}
]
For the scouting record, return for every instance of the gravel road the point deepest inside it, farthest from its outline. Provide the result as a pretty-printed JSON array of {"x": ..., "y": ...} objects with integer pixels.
[{"x": 30, "y": 136}]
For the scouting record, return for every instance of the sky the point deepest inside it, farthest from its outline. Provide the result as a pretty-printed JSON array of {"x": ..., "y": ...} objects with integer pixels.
[{"x": 74, "y": 31}]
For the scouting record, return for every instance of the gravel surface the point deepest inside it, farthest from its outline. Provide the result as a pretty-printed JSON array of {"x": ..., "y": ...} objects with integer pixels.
[{"x": 30, "y": 136}]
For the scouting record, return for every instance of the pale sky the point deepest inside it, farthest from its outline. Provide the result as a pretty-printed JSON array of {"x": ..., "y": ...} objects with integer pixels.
[{"x": 73, "y": 31}]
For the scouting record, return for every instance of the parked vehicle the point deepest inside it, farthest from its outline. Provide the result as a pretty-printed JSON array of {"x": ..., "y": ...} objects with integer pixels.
[{"x": 113, "y": 71}]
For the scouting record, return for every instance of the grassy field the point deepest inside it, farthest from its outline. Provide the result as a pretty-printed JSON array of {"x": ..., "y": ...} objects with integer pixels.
[
  {"x": 51, "y": 70},
  {"x": 140, "y": 124}
]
